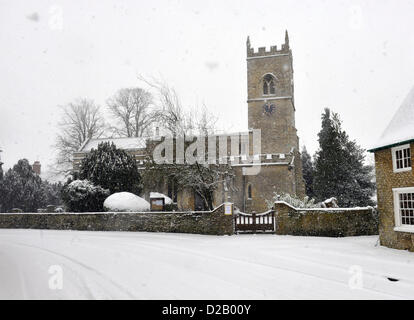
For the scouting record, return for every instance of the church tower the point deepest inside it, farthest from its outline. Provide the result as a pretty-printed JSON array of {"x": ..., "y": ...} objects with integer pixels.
[{"x": 271, "y": 105}]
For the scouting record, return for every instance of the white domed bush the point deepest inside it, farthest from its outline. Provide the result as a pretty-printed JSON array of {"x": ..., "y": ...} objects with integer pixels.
[{"x": 126, "y": 202}]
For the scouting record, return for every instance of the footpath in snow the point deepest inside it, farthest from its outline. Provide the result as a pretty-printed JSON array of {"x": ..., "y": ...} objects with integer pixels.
[{"x": 46, "y": 264}]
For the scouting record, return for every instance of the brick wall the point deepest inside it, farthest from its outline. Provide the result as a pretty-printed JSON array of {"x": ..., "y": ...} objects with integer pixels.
[
  {"x": 386, "y": 180},
  {"x": 214, "y": 222},
  {"x": 333, "y": 222}
]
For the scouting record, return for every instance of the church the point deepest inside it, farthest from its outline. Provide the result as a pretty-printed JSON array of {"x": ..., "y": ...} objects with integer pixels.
[{"x": 276, "y": 158}]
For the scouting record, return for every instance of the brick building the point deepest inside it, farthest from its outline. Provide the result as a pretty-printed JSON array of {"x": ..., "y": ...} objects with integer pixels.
[
  {"x": 395, "y": 178},
  {"x": 271, "y": 109}
]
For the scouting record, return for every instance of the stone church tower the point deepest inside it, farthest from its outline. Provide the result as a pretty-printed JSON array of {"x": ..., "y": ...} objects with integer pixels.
[{"x": 271, "y": 108}]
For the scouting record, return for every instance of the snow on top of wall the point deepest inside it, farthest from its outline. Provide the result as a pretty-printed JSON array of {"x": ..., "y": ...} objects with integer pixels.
[
  {"x": 324, "y": 209},
  {"x": 121, "y": 143},
  {"x": 401, "y": 126}
]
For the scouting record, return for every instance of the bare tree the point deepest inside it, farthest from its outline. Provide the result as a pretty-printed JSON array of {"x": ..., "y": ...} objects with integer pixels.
[
  {"x": 205, "y": 121},
  {"x": 176, "y": 119},
  {"x": 81, "y": 120},
  {"x": 131, "y": 108}
]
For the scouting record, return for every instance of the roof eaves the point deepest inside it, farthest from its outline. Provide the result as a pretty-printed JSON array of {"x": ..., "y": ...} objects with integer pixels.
[{"x": 390, "y": 145}]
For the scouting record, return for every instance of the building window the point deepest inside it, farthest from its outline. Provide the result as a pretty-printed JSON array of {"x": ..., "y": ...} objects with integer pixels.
[
  {"x": 401, "y": 158},
  {"x": 172, "y": 190},
  {"x": 269, "y": 85},
  {"x": 249, "y": 191},
  {"x": 404, "y": 209}
]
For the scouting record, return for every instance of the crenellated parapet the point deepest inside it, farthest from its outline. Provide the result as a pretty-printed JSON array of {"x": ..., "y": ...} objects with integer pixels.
[{"x": 262, "y": 52}]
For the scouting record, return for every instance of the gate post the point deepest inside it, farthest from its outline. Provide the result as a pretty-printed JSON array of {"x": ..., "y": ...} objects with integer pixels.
[{"x": 254, "y": 221}]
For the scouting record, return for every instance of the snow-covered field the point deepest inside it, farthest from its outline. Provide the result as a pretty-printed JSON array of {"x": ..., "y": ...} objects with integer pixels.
[{"x": 118, "y": 265}]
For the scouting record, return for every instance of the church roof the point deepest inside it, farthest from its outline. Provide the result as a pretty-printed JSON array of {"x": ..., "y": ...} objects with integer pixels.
[
  {"x": 400, "y": 130},
  {"x": 132, "y": 143}
]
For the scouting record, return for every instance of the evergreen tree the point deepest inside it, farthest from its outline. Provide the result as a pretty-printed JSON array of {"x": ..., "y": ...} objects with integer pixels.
[
  {"x": 21, "y": 188},
  {"x": 339, "y": 166},
  {"x": 112, "y": 169},
  {"x": 52, "y": 192},
  {"x": 307, "y": 172}
]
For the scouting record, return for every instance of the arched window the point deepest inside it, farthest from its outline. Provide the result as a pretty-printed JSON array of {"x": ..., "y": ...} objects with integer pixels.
[
  {"x": 249, "y": 191},
  {"x": 269, "y": 84}
]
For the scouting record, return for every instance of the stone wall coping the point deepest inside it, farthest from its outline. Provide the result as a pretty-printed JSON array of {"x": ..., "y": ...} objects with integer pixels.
[
  {"x": 104, "y": 212},
  {"x": 325, "y": 209},
  {"x": 115, "y": 212}
]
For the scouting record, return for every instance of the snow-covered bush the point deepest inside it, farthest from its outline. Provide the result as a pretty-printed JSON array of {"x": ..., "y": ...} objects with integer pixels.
[
  {"x": 294, "y": 201},
  {"x": 330, "y": 203},
  {"x": 126, "y": 201},
  {"x": 83, "y": 196}
]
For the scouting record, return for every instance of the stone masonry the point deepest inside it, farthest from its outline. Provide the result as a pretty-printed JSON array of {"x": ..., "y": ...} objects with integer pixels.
[
  {"x": 208, "y": 222},
  {"x": 386, "y": 180}
]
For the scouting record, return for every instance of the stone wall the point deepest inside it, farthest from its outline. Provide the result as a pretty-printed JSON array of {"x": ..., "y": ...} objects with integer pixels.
[
  {"x": 386, "y": 180},
  {"x": 210, "y": 222},
  {"x": 333, "y": 222}
]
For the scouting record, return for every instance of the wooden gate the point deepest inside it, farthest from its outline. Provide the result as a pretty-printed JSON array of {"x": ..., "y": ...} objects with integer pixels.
[{"x": 253, "y": 222}]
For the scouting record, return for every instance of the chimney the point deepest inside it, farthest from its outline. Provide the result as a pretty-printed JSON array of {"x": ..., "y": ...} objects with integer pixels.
[{"x": 36, "y": 167}]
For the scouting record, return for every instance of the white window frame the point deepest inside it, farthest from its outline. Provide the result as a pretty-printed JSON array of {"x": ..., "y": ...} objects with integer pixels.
[
  {"x": 394, "y": 158},
  {"x": 397, "y": 216}
]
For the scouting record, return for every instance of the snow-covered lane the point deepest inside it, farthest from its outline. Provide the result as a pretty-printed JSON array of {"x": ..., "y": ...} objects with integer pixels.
[{"x": 125, "y": 265}]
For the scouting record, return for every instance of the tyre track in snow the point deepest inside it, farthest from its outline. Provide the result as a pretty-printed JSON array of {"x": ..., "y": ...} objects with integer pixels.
[
  {"x": 82, "y": 265},
  {"x": 134, "y": 253},
  {"x": 379, "y": 276},
  {"x": 263, "y": 265}
]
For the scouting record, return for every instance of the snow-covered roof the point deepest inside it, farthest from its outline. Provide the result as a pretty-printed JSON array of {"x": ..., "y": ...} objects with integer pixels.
[
  {"x": 401, "y": 127},
  {"x": 122, "y": 143}
]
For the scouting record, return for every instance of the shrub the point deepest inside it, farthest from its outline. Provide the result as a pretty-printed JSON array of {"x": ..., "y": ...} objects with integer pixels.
[
  {"x": 83, "y": 196},
  {"x": 294, "y": 201},
  {"x": 111, "y": 168},
  {"x": 125, "y": 202}
]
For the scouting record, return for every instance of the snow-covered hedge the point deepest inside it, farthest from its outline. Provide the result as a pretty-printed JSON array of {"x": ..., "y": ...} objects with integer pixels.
[
  {"x": 83, "y": 196},
  {"x": 126, "y": 202},
  {"x": 293, "y": 200}
]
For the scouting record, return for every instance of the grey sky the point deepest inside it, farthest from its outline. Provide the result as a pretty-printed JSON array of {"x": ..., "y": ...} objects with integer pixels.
[{"x": 356, "y": 57}]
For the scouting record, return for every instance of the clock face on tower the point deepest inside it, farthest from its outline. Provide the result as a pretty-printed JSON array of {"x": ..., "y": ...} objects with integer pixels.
[{"x": 268, "y": 108}]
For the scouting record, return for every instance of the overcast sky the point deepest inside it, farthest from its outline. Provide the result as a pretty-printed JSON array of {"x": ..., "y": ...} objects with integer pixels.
[{"x": 355, "y": 57}]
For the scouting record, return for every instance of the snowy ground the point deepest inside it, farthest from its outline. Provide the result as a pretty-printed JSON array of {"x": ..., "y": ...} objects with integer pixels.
[{"x": 119, "y": 265}]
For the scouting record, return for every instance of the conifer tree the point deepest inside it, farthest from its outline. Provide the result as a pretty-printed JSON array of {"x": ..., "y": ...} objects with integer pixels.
[
  {"x": 21, "y": 188},
  {"x": 339, "y": 166},
  {"x": 111, "y": 168},
  {"x": 307, "y": 172}
]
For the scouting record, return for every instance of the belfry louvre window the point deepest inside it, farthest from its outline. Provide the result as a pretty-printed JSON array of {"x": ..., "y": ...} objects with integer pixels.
[
  {"x": 269, "y": 85},
  {"x": 401, "y": 157},
  {"x": 404, "y": 208}
]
